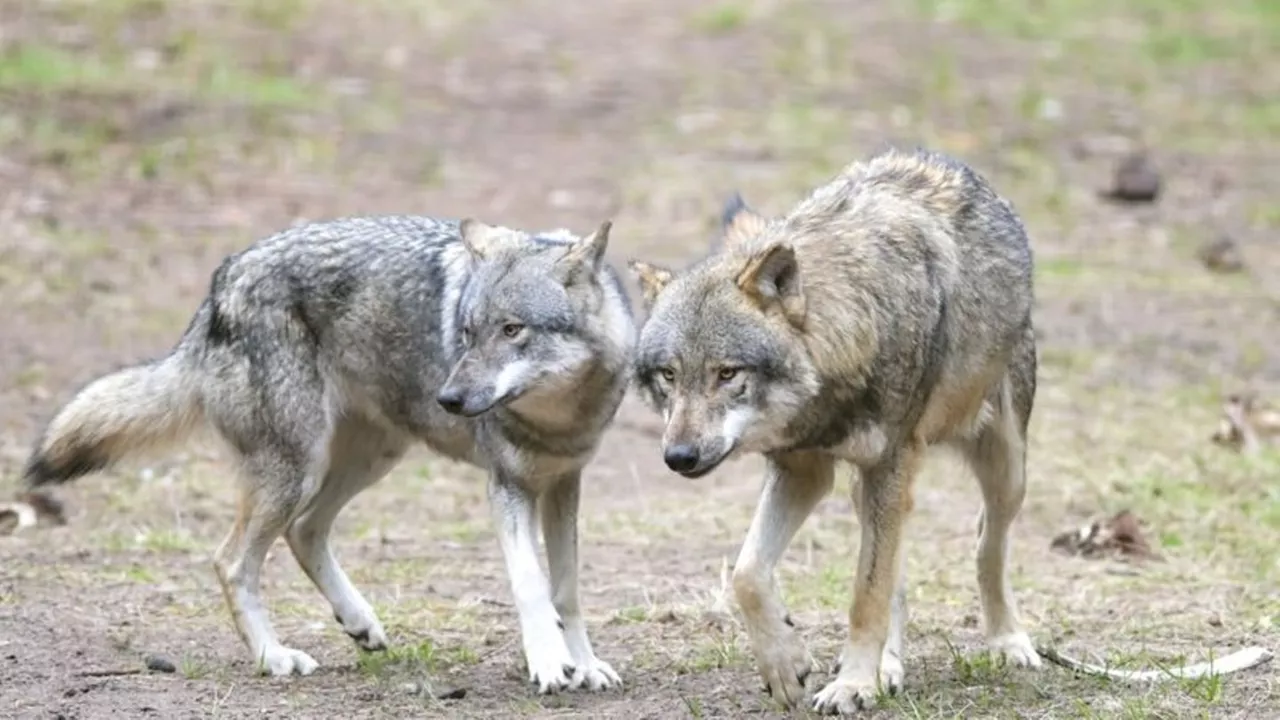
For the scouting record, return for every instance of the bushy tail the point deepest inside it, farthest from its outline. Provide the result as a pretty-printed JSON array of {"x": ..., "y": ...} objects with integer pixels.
[{"x": 116, "y": 416}]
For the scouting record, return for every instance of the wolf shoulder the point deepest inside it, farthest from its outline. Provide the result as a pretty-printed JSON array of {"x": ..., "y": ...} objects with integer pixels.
[{"x": 898, "y": 187}]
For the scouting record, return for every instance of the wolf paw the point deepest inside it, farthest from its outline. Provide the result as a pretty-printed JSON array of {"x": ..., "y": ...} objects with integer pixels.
[
  {"x": 279, "y": 661},
  {"x": 784, "y": 667},
  {"x": 595, "y": 674},
  {"x": 1015, "y": 649},
  {"x": 551, "y": 666},
  {"x": 891, "y": 673},
  {"x": 843, "y": 696},
  {"x": 366, "y": 631}
]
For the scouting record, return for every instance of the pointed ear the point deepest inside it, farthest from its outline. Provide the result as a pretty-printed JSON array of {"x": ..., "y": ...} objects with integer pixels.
[
  {"x": 590, "y": 250},
  {"x": 652, "y": 280},
  {"x": 739, "y": 223},
  {"x": 584, "y": 256},
  {"x": 771, "y": 277},
  {"x": 477, "y": 237}
]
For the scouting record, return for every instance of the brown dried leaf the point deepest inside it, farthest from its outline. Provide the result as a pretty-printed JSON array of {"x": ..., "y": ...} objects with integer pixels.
[
  {"x": 1246, "y": 424},
  {"x": 1120, "y": 536}
]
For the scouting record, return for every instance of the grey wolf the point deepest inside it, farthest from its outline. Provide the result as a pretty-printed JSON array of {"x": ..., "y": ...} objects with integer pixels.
[
  {"x": 323, "y": 351},
  {"x": 887, "y": 313}
]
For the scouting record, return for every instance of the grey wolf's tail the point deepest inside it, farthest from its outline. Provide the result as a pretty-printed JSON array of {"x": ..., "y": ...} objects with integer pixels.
[{"x": 120, "y": 414}]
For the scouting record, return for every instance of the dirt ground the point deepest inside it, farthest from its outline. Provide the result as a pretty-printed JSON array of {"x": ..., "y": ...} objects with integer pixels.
[{"x": 142, "y": 140}]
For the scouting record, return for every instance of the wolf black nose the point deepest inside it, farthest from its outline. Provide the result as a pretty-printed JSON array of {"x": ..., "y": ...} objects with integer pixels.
[
  {"x": 681, "y": 458},
  {"x": 451, "y": 399}
]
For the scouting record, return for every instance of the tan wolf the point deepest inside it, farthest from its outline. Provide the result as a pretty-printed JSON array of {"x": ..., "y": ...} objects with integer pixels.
[{"x": 888, "y": 312}]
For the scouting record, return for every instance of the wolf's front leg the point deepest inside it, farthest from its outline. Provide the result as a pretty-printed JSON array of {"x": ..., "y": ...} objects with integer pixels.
[
  {"x": 795, "y": 483},
  {"x": 883, "y": 508},
  {"x": 551, "y": 665},
  {"x": 892, "y": 673},
  {"x": 560, "y": 530}
]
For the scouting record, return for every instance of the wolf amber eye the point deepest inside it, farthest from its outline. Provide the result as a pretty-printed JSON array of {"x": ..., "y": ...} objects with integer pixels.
[
  {"x": 727, "y": 374},
  {"x": 512, "y": 329},
  {"x": 668, "y": 374}
]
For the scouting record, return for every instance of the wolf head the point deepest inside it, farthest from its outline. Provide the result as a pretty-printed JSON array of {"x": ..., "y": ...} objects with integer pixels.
[
  {"x": 721, "y": 354},
  {"x": 534, "y": 319}
]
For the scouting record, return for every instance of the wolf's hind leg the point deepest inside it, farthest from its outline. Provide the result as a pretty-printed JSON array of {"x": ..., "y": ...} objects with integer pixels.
[
  {"x": 998, "y": 459},
  {"x": 360, "y": 454},
  {"x": 272, "y": 408},
  {"x": 269, "y": 493}
]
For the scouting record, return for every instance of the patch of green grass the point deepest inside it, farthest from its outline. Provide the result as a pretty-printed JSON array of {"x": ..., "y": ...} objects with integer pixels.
[
  {"x": 193, "y": 668},
  {"x": 466, "y": 531},
  {"x": 1136, "y": 47},
  {"x": 140, "y": 575},
  {"x": 810, "y": 53},
  {"x": 1265, "y": 215},
  {"x": 154, "y": 540},
  {"x": 1060, "y": 268},
  {"x": 722, "y": 18},
  {"x": 278, "y": 15},
  {"x": 50, "y": 69},
  {"x": 634, "y": 614},
  {"x": 806, "y": 135},
  {"x": 29, "y": 376},
  {"x": 204, "y": 73},
  {"x": 1207, "y": 689},
  {"x": 423, "y": 657},
  {"x": 714, "y": 650},
  {"x": 225, "y": 81},
  {"x": 1221, "y": 509},
  {"x": 941, "y": 77},
  {"x": 412, "y": 615},
  {"x": 1068, "y": 360},
  {"x": 78, "y": 147},
  {"x": 1260, "y": 116},
  {"x": 980, "y": 668},
  {"x": 180, "y": 157},
  {"x": 110, "y": 13},
  {"x": 831, "y": 588},
  {"x": 400, "y": 657},
  {"x": 1164, "y": 31}
]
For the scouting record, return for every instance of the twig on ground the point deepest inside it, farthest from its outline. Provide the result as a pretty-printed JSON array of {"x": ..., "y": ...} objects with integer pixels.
[
  {"x": 111, "y": 673},
  {"x": 1235, "y": 662}
]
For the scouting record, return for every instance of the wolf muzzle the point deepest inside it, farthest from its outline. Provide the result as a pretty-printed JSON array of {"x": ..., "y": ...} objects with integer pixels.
[
  {"x": 690, "y": 461},
  {"x": 681, "y": 458},
  {"x": 457, "y": 401}
]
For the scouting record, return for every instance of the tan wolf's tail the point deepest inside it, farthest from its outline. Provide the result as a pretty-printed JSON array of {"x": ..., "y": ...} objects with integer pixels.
[{"x": 121, "y": 414}]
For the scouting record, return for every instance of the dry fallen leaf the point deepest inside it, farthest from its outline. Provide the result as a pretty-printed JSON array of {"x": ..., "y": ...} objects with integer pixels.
[
  {"x": 1120, "y": 535},
  {"x": 1246, "y": 424}
]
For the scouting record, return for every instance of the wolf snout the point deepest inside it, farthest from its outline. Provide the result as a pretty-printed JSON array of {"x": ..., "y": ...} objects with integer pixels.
[
  {"x": 451, "y": 399},
  {"x": 681, "y": 458},
  {"x": 460, "y": 402}
]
